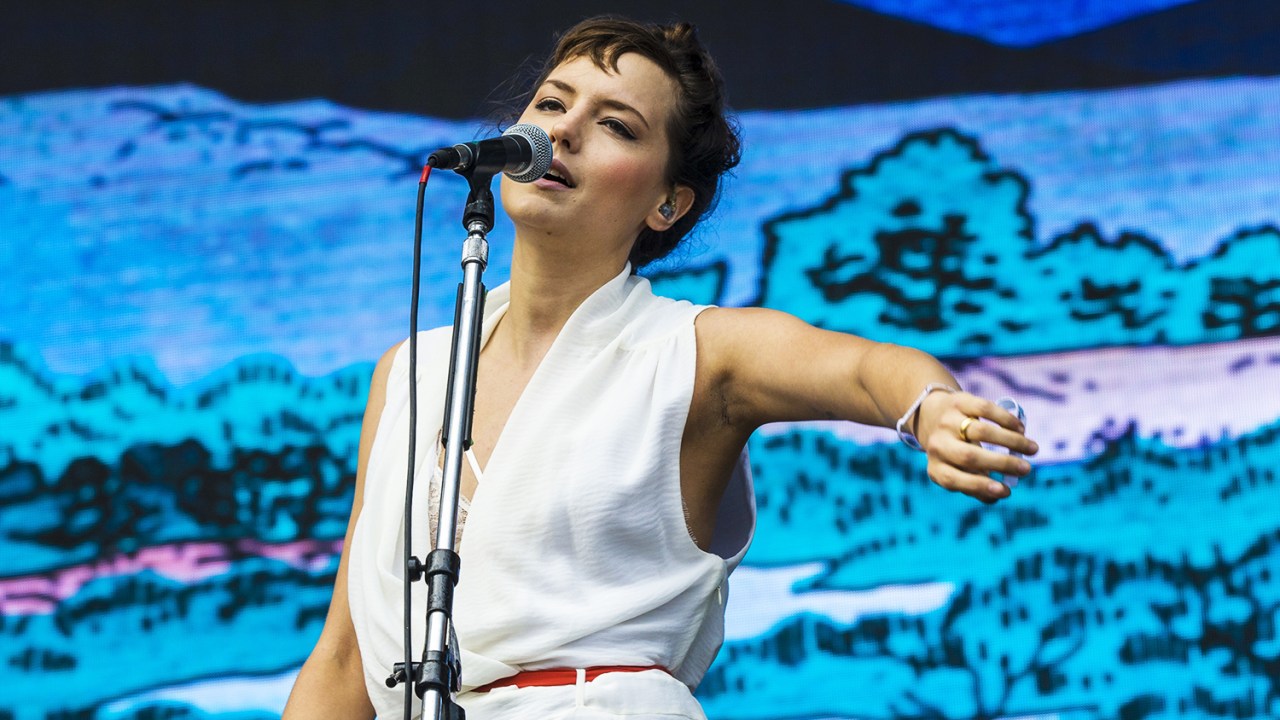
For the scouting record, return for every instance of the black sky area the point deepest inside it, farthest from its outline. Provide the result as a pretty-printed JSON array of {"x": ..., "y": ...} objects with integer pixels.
[{"x": 446, "y": 58}]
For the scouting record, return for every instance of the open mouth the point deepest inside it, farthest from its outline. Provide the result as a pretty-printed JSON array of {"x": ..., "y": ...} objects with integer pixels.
[{"x": 556, "y": 178}]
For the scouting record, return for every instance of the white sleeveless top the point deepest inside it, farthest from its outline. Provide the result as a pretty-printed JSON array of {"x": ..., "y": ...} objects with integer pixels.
[{"x": 576, "y": 552}]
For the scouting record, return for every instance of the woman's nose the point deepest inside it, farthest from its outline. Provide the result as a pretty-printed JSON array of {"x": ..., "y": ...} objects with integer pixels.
[{"x": 564, "y": 133}]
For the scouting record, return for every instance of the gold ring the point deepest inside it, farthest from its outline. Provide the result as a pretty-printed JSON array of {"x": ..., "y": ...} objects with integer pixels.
[{"x": 964, "y": 429}]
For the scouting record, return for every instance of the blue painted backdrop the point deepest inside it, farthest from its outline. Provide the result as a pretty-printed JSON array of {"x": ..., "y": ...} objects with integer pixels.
[{"x": 194, "y": 290}]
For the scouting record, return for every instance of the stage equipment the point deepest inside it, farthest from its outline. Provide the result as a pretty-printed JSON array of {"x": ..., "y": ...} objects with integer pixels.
[{"x": 524, "y": 154}]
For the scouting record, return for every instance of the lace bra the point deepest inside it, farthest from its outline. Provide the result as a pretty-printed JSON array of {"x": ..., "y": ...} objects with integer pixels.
[{"x": 433, "y": 498}]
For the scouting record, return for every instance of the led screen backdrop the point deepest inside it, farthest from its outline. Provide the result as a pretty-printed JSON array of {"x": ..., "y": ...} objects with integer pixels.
[{"x": 1073, "y": 203}]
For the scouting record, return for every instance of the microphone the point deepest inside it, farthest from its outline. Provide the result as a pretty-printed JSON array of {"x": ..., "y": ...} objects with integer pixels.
[{"x": 523, "y": 152}]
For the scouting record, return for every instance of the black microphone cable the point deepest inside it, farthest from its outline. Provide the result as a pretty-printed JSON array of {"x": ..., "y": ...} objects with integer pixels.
[{"x": 410, "y": 677}]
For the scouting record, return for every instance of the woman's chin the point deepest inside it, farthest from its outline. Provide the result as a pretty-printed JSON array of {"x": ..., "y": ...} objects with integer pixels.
[
  {"x": 533, "y": 207},
  {"x": 538, "y": 221}
]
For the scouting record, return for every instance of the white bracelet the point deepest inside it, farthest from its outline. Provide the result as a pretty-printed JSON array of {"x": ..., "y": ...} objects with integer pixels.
[{"x": 906, "y": 435}]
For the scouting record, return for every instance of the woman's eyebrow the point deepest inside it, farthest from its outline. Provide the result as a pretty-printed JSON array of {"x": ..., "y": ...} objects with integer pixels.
[
  {"x": 570, "y": 90},
  {"x": 562, "y": 86}
]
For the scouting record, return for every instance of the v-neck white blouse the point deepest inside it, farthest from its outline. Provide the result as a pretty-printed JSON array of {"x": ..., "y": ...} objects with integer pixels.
[{"x": 576, "y": 552}]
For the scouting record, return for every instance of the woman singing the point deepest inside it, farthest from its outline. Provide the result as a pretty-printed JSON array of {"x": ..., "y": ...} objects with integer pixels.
[{"x": 608, "y": 497}]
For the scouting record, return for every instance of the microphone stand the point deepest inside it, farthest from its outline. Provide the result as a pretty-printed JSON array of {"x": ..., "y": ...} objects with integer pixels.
[{"x": 439, "y": 674}]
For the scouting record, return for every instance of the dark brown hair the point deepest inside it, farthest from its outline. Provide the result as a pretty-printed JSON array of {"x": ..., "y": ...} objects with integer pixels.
[{"x": 704, "y": 139}]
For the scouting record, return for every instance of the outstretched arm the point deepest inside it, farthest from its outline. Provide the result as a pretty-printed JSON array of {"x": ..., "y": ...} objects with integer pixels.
[{"x": 766, "y": 366}]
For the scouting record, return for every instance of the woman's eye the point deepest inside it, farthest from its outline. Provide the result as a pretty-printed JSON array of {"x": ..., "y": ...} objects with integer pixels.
[
  {"x": 549, "y": 105},
  {"x": 618, "y": 127}
]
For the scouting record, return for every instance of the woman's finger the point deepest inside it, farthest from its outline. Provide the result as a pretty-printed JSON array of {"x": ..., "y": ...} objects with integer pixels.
[
  {"x": 979, "y": 407},
  {"x": 992, "y": 434},
  {"x": 976, "y": 486},
  {"x": 973, "y": 458}
]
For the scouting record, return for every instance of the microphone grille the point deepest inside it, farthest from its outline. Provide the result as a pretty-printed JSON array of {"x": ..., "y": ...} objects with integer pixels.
[{"x": 540, "y": 163}]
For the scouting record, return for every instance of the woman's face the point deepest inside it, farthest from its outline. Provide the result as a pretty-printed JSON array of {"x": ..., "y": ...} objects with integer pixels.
[{"x": 609, "y": 132}]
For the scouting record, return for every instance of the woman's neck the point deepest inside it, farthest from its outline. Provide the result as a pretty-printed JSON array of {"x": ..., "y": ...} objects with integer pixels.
[{"x": 545, "y": 290}]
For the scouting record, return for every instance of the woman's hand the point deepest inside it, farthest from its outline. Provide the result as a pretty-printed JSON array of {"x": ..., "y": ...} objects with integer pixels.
[{"x": 952, "y": 426}]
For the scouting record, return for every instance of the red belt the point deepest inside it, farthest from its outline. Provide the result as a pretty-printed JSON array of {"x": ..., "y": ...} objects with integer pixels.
[{"x": 560, "y": 676}]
